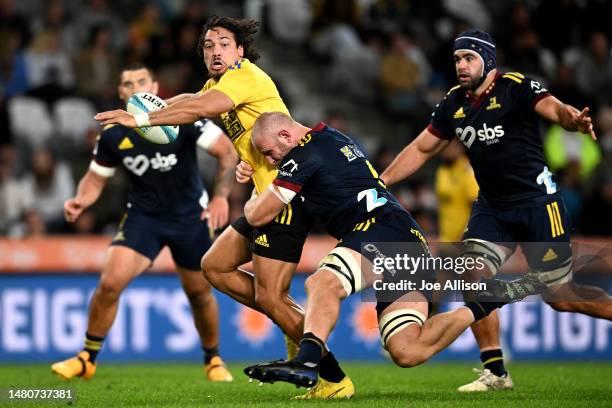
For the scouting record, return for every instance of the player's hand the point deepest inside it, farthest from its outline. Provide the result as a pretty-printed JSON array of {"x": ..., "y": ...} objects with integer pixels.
[
  {"x": 72, "y": 209},
  {"x": 244, "y": 172},
  {"x": 217, "y": 213},
  {"x": 117, "y": 116},
  {"x": 582, "y": 121}
]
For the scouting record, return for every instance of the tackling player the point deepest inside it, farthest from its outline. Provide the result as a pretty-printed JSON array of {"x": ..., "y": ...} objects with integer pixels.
[
  {"x": 496, "y": 116},
  {"x": 238, "y": 91},
  {"x": 339, "y": 185},
  {"x": 167, "y": 206}
]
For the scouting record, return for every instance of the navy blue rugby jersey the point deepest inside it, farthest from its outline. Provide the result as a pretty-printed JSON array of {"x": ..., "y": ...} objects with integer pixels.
[
  {"x": 164, "y": 178},
  {"x": 500, "y": 131},
  {"x": 335, "y": 179}
]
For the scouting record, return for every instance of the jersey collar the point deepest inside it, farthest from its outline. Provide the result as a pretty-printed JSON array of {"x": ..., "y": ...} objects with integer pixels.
[{"x": 319, "y": 127}]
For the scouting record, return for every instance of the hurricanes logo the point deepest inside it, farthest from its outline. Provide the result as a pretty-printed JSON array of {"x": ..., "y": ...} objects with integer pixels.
[{"x": 262, "y": 240}]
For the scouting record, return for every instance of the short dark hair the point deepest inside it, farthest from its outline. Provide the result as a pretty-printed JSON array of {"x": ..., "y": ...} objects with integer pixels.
[
  {"x": 135, "y": 66},
  {"x": 242, "y": 29}
]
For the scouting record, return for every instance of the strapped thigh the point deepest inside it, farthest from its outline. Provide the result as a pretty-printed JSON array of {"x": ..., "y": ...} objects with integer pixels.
[
  {"x": 341, "y": 262},
  {"x": 491, "y": 253},
  {"x": 393, "y": 322}
]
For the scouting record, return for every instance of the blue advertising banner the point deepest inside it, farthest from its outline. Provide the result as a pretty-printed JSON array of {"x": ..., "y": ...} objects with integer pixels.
[{"x": 44, "y": 317}]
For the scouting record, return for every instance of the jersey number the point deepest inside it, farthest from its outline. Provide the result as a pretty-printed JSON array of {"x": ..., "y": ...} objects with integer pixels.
[{"x": 372, "y": 200}]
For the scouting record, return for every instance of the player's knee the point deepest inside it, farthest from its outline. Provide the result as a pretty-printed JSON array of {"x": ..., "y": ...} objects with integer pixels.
[
  {"x": 110, "y": 288},
  {"x": 323, "y": 280},
  {"x": 407, "y": 356}
]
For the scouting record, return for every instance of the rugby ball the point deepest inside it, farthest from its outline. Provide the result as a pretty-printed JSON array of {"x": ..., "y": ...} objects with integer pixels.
[{"x": 143, "y": 102}]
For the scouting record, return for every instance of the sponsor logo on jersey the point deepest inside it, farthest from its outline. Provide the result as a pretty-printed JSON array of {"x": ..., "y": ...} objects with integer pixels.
[
  {"x": 493, "y": 103},
  {"x": 459, "y": 114},
  {"x": 487, "y": 134},
  {"x": 288, "y": 168},
  {"x": 351, "y": 152},
  {"x": 126, "y": 144},
  {"x": 537, "y": 87},
  {"x": 305, "y": 140},
  {"x": 141, "y": 163},
  {"x": 262, "y": 240},
  {"x": 232, "y": 124}
]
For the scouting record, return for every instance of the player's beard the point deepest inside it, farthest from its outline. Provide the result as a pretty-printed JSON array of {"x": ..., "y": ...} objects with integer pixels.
[{"x": 472, "y": 84}]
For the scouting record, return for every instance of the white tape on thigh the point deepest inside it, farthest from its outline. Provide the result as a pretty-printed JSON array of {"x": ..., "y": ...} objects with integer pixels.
[
  {"x": 491, "y": 254},
  {"x": 394, "y": 322},
  {"x": 340, "y": 262}
]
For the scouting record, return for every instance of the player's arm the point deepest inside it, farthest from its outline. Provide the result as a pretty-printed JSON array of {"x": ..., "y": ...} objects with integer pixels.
[
  {"x": 567, "y": 116},
  {"x": 209, "y": 104},
  {"x": 181, "y": 97},
  {"x": 89, "y": 190},
  {"x": 413, "y": 157},
  {"x": 263, "y": 208},
  {"x": 222, "y": 149}
]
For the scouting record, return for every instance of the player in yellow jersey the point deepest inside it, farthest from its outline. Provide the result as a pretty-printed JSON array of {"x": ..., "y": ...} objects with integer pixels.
[{"x": 238, "y": 92}]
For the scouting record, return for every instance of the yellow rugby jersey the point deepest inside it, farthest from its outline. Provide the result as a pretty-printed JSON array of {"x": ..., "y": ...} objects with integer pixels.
[
  {"x": 456, "y": 189},
  {"x": 253, "y": 93}
]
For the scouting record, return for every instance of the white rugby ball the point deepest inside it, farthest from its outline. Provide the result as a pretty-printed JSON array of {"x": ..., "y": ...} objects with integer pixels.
[{"x": 143, "y": 102}]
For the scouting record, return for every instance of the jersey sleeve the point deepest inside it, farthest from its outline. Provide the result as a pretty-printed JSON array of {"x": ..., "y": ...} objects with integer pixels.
[
  {"x": 203, "y": 132},
  {"x": 296, "y": 168},
  {"x": 105, "y": 160},
  {"x": 530, "y": 92},
  {"x": 439, "y": 124},
  {"x": 240, "y": 85}
]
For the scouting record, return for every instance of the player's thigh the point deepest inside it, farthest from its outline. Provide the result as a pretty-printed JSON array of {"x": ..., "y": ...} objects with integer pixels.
[
  {"x": 339, "y": 271},
  {"x": 122, "y": 265},
  {"x": 400, "y": 323},
  {"x": 487, "y": 237},
  {"x": 272, "y": 276},
  {"x": 229, "y": 251}
]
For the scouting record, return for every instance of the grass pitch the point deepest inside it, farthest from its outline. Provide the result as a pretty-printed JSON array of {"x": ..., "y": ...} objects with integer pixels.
[{"x": 377, "y": 385}]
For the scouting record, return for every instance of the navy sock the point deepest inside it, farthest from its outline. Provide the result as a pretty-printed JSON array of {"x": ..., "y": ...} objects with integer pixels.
[
  {"x": 482, "y": 310},
  {"x": 494, "y": 361},
  {"x": 311, "y": 349},
  {"x": 329, "y": 369},
  {"x": 210, "y": 352},
  {"x": 93, "y": 345}
]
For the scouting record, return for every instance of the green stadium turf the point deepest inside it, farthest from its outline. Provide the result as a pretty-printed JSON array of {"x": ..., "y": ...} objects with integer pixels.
[{"x": 378, "y": 385}]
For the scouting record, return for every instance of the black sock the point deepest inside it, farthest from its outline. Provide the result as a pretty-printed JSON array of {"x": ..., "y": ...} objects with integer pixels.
[
  {"x": 93, "y": 345},
  {"x": 329, "y": 369},
  {"x": 494, "y": 361},
  {"x": 482, "y": 310},
  {"x": 311, "y": 349},
  {"x": 210, "y": 352}
]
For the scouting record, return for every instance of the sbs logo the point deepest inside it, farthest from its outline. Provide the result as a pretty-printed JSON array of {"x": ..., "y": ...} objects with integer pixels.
[
  {"x": 141, "y": 163},
  {"x": 487, "y": 134}
]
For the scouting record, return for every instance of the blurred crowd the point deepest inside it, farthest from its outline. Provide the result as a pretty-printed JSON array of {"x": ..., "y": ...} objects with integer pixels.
[{"x": 60, "y": 61}]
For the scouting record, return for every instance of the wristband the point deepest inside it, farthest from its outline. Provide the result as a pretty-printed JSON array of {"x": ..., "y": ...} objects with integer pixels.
[{"x": 142, "y": 120}]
